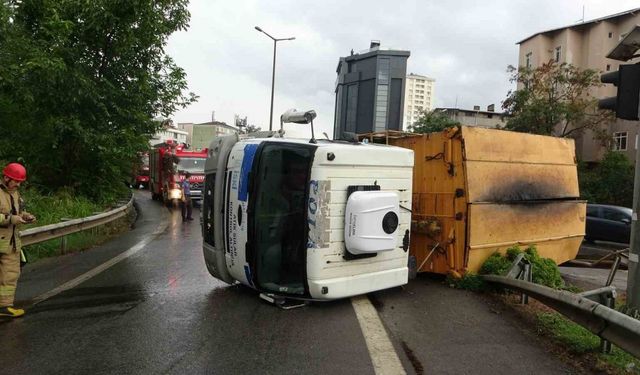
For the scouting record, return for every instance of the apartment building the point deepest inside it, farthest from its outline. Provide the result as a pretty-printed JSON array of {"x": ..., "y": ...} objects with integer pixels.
[
  {"x": 586, "y": 46},
  {"x": 168, "y": 133},
  {"x": 199, "y": 136},
  {"x": 418, "y": 96},
  {"x": 477, "y": 117}
]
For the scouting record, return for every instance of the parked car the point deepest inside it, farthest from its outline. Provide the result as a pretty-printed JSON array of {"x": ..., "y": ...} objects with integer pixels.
[{"x": 608, "y": 223}]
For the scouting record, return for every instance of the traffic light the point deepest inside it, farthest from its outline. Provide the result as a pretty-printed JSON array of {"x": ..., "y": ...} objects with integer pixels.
[{"x": 626, "y": 102}]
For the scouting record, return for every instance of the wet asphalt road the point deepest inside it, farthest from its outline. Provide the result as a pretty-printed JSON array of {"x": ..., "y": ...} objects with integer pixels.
[{"x": 160, "y": 312}]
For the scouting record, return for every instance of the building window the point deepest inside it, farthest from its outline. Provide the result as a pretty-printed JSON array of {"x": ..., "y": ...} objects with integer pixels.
[
  {"x": 620, "y": 141},
  {"x": 557, "y": 56},
  {"x": 608, "y": 67},
  {"x": 528, "y": 60},
  {"x": 610, "y": 35}
]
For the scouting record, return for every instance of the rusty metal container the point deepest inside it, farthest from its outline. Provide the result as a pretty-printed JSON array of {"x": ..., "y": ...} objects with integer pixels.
[{"x": 477, "y": 191}]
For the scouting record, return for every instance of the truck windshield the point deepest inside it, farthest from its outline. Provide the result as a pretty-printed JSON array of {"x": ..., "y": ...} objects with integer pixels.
[
  {"x": 191, "y": 165},
  {"x": 280, "y": 216}
]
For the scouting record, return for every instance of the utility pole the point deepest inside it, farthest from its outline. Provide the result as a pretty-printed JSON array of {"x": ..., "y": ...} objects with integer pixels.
[
  {"x": 273, "y": 72},
  {"x": 633, "y": 275}
]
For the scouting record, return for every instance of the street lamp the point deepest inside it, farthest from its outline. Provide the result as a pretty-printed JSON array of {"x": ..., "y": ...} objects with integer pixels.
[{"x": 273, "y": 74}]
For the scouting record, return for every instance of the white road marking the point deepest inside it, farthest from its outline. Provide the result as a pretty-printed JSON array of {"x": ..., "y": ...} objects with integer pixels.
[
  {"x": 383, "y": 356},
  {"x": 103, "y": 267}
]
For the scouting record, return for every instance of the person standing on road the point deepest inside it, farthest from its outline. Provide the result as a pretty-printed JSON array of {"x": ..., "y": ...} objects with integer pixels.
[
  {"x": 12, "y": 215},
  {"x": 186, "y": 205}
]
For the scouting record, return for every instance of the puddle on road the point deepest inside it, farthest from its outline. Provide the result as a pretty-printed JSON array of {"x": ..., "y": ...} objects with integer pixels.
[{"x": 113, "y": 299}]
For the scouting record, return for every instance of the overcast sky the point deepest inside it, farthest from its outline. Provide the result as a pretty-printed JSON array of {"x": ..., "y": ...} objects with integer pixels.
[{"x": 465, "y": 46}]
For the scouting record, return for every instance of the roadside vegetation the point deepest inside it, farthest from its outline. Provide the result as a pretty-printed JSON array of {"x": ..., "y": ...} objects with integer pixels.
[
  {"x": 82, "y": 85},
  {"x": 570, "y": 339},
  {"x": 580, "y": 342},
  {"x": 544, "y": 271},
  {"x": 53, "y": 208},
  {"x": 596, "y": 181}
]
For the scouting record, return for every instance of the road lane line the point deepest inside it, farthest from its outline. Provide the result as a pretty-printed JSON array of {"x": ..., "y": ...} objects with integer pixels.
[
  {"x": 383, "y": 356},
  {"x": 104, "y": 266}
]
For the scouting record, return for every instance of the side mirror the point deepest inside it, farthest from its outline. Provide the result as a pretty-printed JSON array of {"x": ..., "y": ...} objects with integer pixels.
[
  {"x": 626, "y": 221},
  {"x": 299, "y": 118}
]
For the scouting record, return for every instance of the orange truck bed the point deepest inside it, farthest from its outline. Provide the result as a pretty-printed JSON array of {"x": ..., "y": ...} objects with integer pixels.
[{"x": 477, "y": 191}]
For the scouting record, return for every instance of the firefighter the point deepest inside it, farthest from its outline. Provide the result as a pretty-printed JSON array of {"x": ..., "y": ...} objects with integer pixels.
[
  {"x": 186, "y": 205},
  {"x": 12, "y": 216}
]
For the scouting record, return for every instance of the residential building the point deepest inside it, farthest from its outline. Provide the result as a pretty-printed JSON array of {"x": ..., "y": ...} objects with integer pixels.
[
  {"x": 586, "y": 45},
  {"x": 418, "y": 97},
  {"x": 370, "y": 91},
  {"x": 168, "y": 133},
  {"x": 476, "y": 117},
  {"x": 201, "y": 135}
]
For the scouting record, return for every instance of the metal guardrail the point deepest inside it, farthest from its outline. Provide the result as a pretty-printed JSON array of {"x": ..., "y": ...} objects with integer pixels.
[
  {"x": 607, "y": 323},
  {"x": 51, "y": 231}
]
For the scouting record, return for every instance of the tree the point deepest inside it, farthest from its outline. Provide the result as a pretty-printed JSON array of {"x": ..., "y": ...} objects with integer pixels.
[
  {"x": 432, "y": 121},
  {"x": 555, "y": 99},
  {"x": 252, "y": 129},
  {"x": 80, "y": 84},
  {"x": 610, "y": 182}
]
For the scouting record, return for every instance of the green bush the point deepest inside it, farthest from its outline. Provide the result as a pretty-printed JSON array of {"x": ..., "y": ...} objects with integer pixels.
[
  {"x": 545, "y": 271},
  {"x": 469, "y": 281},
  {"x": 496, "y": 264},
  {"x": 596, "y": 183}
]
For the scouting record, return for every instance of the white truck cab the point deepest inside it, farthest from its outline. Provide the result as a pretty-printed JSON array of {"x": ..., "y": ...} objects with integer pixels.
[{"x": 322, "y": 220}]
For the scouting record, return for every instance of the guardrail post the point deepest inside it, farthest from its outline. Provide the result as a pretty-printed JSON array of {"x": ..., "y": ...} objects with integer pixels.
[
  {"x": 94, "y": 230},
  {"x": 63, "y": 239},
  {"x": 521, "y": 269},
  {"x": 607, "y": 297},
  {"x": 527, "y": 276},
  {"x": 614, "y": 269}
]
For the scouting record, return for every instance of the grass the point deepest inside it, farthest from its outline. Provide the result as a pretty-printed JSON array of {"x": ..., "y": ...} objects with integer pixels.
[
  {"x": 579, "y": 340},
  {"x": 50, "y": 209}
]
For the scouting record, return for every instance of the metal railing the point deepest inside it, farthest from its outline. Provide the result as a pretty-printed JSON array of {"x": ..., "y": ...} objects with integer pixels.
[
  {"x": 600, "y": 318},
  {"x": 48, "y": 232}
]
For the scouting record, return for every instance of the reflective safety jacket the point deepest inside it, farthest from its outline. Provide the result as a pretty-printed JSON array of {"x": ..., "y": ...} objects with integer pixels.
[{"x": 11, "y": 209}]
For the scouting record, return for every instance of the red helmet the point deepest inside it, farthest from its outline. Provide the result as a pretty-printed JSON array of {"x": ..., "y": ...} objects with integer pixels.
[{"x": 15, "y": 171}]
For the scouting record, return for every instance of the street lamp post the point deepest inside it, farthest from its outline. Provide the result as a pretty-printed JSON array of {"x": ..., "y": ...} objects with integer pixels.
[{"x": 273, "y": 73}]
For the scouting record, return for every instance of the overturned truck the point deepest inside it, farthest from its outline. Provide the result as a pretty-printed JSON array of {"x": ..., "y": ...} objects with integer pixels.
[
  {"x": 307, "y": 219},
  {"x": 477, "y": 191}
]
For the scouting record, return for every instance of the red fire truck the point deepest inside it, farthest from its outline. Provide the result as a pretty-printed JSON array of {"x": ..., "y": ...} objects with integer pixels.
[
  {"x": 142, "y": 172},
  {"x": 168, "y": 163}
]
